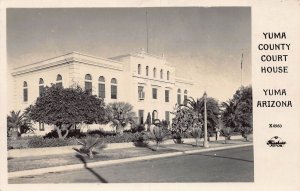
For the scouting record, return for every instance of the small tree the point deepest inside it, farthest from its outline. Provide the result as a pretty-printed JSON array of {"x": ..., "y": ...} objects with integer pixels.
[
  {"x": 18, "y": 124},
  {"x": 226, "y": 132},
  {"x": 196, "y": 133},
  {"x": 158, "y": 134},
  {"x": 90, "y": 146},
  {"x": 66, "y": 107},
  {"x": 185, "y": 119},
  {"x": 120, "y": 114},
  {"x": 212, "y": 109}
]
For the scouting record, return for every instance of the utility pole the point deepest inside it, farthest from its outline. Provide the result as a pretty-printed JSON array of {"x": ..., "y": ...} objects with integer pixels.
[{"x": 205, "y": 144}]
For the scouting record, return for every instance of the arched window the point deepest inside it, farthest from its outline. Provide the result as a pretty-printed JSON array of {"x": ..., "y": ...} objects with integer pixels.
[
  {"x": 114, "y": 89},
  {"x": 154, "y": 116},
  {"x": 88, "y": 83},
  {"x": 147, "y": 70},
  {"x": 161, "y": 74},
  {"x": 59, "y": 80},
  {"x": 139, "y": 69},
  {"x": 154, "y": 72},
  {"x": 41, "y": 86},
  {"x": 168, "y": 75},
  {"x": 25, "y": 91},
  {"x": 185, "y": 97},
  {"x": 178, "y": 96},
  {"x": 101, "y": 87}
]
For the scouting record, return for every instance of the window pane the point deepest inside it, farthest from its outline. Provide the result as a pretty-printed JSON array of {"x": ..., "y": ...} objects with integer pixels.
[
  {"x": 113, "y": 92},
  {"x": 88, "y": 77},
  {"x": 41, "y": 127},
  {"x": 59, "y": 84},
  {"x": 141, "y": 116},
  {"x": 88, "y": 87},
  {"x": 185, "y": 100},
  {"x": 101, "y": 90},
  {"x": 58, "y": 78},
  {"x": 41, "y": 90},
  {"x": 167, "y": 95},
  {"x": 179, "y": 99},
  {"x": 25, "y": 94},
  {"x": 154, "y": 93}
]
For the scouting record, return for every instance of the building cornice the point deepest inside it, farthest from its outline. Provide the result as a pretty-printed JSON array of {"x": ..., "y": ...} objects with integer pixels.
[{"x": 66, "y": 59}]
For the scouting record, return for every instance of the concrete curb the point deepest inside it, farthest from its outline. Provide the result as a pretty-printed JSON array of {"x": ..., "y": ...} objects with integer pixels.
[
  {"x": 16, "y": 153},
  {"x": 111, "y": 162}
]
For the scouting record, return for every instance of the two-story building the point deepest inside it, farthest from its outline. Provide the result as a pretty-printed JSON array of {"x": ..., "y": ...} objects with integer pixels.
[{"x": 146, "y": 81}]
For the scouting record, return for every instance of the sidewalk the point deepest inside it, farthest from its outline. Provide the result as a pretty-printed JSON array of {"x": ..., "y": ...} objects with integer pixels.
[{"x": 34, "y": 165}]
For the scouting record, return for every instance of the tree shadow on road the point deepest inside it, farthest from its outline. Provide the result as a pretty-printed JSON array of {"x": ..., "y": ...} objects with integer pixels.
[{"x": 100, "y": 178}]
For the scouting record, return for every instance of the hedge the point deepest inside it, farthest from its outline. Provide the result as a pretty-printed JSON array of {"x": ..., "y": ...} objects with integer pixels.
[{"x": 40, "y": 142}]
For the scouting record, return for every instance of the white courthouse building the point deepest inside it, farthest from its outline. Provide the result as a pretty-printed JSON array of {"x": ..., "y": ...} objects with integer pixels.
[{"x": 146, "y": 81}]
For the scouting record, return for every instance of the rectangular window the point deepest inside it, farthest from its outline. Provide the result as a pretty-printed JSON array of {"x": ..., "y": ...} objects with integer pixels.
[
  {"x": 141, "y": 116},
  {"x": 25, "y": 94},
  {"x": 141, "y": 93},
  {"x": 178, "y": 99},
  {"x": 185, "y": 100},
  {"x": 114, "y": 92},
  {"x": 167, "y": 95},
  {"x": 167, "y": 113},
  {"x": 101, "y": 90},
  {"x": 41, "y": 127},
  {"x": 88, "y": 87},
  {"x": 154, "y": 93}
]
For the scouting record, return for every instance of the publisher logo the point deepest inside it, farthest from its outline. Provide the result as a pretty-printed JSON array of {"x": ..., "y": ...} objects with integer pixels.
[{"x": 276, "y": 142}]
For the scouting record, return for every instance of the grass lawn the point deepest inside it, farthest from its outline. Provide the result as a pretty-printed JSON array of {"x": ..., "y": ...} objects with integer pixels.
[{"x": 27, "y": 163}]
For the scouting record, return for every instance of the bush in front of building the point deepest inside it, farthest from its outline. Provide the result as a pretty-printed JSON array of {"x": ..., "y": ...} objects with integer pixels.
[
  {"x": 40, "y": 142},
  {"x": 185, "y": 119},
  {"x": 65, "y": 108},
  {"x": 120, "y": 114},
  {"x": 17, "y": 124}
]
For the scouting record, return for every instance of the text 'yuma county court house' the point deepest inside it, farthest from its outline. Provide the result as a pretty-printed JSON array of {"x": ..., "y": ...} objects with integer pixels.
[{"x": 146, "y": 81}]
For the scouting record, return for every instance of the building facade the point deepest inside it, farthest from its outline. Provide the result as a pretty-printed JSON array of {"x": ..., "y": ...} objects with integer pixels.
[{"x": 146, "y": 81}]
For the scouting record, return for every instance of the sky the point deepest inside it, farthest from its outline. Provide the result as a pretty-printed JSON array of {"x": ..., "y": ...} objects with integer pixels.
[{"x": 203, "y": 44}]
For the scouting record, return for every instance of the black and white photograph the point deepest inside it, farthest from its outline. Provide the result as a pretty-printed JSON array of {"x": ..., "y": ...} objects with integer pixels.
[
  {"x": 149, "y": 95},
  {"x": 129, "y": 95}
]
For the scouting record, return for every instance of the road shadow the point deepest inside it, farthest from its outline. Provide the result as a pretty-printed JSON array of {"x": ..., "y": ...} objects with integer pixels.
[
  {"x": 232, "y": 158},
  {"x": 100, "y": 178}
]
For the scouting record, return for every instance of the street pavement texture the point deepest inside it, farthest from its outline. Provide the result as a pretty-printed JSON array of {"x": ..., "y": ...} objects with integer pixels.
[{"x": 230, "y": 165}]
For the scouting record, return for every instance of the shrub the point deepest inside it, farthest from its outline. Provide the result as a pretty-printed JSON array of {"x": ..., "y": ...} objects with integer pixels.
[
  {"x": 90, "y": 145},
  {"x": 158, "y": 134},
  {"x": 72, "y": 133},
  {"x": 38, "y": 142},
  {"x": 124, "y": 138}
]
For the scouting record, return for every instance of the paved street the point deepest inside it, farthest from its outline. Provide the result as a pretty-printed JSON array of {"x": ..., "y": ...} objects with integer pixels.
[{"x": 232, "y": 165}]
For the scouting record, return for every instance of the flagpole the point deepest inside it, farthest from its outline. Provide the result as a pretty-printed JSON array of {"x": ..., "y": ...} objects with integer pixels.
[
  {"x": 147, "y": 30},
  {"x": 242, "y": 70}
]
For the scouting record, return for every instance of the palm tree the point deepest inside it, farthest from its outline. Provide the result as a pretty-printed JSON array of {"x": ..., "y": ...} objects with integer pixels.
[
  {"x": 158, "y": 133},
  {"x": 120, "y": 114},
  {"x": 212, "y": 110},
  {"x": 90, "y": 146},
  {"x": 237, "y": 112},
  {"x": 18, "y": 124}
]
